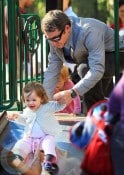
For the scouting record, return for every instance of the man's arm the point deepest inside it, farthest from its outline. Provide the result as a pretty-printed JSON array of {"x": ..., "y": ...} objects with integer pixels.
[
  {"x": 95, "y": 45},
  {"x": 94, "y": 42},
  {"x": 51, "y": 75}
]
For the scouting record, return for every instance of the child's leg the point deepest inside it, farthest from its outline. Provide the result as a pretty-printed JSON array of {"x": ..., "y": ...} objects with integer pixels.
[
  {"x": 48, "y": 146},
  {"x": 50, "y": 159},
  {"x": 20, "y": 151}
]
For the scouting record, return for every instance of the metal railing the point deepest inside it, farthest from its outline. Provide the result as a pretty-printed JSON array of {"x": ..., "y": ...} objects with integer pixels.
[{"x": 22, "y": 43}]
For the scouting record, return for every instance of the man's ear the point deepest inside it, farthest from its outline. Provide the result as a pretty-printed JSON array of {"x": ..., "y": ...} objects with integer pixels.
[{"x": 67, "y": 28}]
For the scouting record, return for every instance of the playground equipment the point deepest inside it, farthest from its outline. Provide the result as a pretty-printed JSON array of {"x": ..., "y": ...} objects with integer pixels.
[{"x": 24, "y": 63}]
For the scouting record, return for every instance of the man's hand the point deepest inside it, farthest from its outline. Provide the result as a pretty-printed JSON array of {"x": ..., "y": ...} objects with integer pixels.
[{"x": 63, "y": 97}]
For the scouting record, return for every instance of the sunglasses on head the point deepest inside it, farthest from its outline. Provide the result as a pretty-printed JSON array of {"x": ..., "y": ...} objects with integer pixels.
[{"x": 56, "y": 38}]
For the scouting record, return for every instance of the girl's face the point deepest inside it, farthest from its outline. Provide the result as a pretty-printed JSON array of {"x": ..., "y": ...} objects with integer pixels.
[
  {"x": 32, "y": 101},
  {"x": 121, "y": 12},
  {"x": 60, "y": 85}
]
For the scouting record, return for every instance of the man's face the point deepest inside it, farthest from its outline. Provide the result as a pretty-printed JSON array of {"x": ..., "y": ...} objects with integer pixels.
[{"x": 58, "y": 38}]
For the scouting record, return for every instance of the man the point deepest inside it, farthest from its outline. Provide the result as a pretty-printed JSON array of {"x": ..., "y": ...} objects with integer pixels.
[{"x": 90, "y": 42}]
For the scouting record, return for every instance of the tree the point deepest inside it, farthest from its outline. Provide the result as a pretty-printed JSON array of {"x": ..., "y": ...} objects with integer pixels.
[
  {"x": 94, "y": 9},
  {"x": 38, "y": 8},
  {"x": 85, "y": 8}
]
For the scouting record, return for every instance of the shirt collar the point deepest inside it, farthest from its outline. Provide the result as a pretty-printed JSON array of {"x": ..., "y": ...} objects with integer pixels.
[
  {"x": 68, "y": 10},
  {"x": 69, "y": 42}
]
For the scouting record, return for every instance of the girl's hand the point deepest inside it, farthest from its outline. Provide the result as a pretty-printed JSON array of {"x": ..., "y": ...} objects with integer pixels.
[
  {"x": 63, "y": 97},
  {"x": 12, "y": 116}
]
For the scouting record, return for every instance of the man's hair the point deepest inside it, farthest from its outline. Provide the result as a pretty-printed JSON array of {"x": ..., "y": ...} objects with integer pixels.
[
  {"x": 121, "y": 2},
  {"x": 55, "y": 19}
]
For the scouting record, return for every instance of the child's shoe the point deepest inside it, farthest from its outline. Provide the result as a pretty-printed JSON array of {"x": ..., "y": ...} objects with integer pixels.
[{"x": 49, "y": 168}]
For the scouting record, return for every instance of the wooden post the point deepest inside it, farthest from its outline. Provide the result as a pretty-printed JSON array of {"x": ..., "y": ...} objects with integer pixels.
[{"x": 56, "y": 4}]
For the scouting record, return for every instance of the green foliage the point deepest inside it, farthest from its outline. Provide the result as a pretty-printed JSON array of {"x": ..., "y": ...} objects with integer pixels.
[
  {"x": 102, "y": 9},
  {"x": 91, "y": 8},
  {"x": 85, "y": 8},
  {"x": 110, "y": 18},
  {"x": 40, "y": 7}
]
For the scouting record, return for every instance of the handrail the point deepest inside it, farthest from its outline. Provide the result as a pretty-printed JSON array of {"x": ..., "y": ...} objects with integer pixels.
[
  {"x": 24, "y": 37},
  {"x": 12, "y": 57}
]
